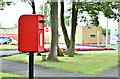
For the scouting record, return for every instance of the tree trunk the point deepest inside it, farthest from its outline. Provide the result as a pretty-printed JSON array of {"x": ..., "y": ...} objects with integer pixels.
[
  {"x": 73, "y": 31},
  {"x": 66, "y": 38},
  {"x": 59, "y": 53},
  {"x": 54, "y": 30},
  {"x": 33, "y": 7},
  {"x": 38, "y": 54}
]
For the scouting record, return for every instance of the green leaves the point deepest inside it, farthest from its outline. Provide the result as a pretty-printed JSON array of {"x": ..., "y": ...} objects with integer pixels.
[
  {"x": 94, "y": 8},
  {"x": 104, "y": 31},
  {"x": 4, "y": 3},
  {"x": 46, "y": 13}
]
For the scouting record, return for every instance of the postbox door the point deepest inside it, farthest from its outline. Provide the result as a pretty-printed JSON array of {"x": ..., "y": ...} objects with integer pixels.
[{"x": 41, "y": 40}]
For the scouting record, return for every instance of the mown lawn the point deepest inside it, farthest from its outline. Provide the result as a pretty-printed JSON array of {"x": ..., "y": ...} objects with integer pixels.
[
  {"x": 2, "y": 74},
  {"x": 87, "y": 62},
  {"x": 7, "y": 46},
  {"x": 117, "y": 44},
  {"x": 13, "y": 76}
]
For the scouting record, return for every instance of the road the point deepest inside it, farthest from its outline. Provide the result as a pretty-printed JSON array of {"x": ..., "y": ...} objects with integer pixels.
[{"x": 8, "y": 52}]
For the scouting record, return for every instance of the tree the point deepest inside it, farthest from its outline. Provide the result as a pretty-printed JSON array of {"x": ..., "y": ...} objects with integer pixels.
[
  {"x": 3, "y": 4},
  {"x": 32, "y": 4},
  {"x": 15, "y": 26},
  {"x": 73, "y": 30},
  {"x": 93, "y": 9},
  {"x": 47, "y": 23},
  {"x": 54, "y": 29},
  {"x": 46, "y": 13},
  {"x": 104, "y": 31},
  {"x": 69, "y": 43},
  {"x": 66, "y": 21},
  {"x": 66, "y": 38},
  {"x": 59, "y": 52}
]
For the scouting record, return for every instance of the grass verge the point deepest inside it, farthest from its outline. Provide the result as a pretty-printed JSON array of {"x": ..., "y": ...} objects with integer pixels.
[
  {"x": 7, "y": 46},
  {"x": 87, "y": 62},
  {"x": 117, "y": 44},
  {"x": 2, "y": 74}
]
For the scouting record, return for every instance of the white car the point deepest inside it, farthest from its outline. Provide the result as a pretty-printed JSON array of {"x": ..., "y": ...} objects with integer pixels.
[{"x": 5, "y": 39}]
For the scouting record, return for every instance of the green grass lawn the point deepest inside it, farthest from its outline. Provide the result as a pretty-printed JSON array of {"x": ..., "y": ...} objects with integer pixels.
[
  {"x": 12, "y": 76},
  {"x": 2, "y": 74},
  {"x": 112, "y": 45},
  {"x": 7, "y": 46},
  {"x": 117, "y": 44},
  {"x": 87, "y": 62}
]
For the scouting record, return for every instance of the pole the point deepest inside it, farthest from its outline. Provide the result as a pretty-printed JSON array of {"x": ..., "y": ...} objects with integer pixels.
[
  {"x": 107, "y": 34},
  {"x": 31, "y": 65}
]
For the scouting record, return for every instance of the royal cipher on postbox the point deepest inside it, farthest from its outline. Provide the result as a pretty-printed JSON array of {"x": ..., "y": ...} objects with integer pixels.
[{"x": 31, "y": 32}]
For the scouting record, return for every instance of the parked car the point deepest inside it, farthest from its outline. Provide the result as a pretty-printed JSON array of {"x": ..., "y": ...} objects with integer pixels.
[
  {"x": 5, "y": 39},
  {"x": 14, "y": 42}
]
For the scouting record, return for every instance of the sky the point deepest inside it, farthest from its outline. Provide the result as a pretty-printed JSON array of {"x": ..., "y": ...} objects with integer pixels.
[{"x": 10, "y": 15}]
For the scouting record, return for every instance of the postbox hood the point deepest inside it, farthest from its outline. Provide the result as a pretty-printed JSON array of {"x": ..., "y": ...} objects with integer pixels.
[{"x": 41, "y": 20}]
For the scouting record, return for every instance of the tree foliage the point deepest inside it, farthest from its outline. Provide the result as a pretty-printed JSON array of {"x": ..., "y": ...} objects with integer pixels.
[
  {"x": 67, "y": 21},
  {"x": 15, "y": 26},
  {"x": 46, "y": 13},
  {"x": 3, "y": 4},
  {"x": 104, "y": 31},
  {"x": 93, "y": 9}
]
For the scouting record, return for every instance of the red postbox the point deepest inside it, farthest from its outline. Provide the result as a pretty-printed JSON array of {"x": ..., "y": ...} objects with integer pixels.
[{"x": 31, "y": 33}]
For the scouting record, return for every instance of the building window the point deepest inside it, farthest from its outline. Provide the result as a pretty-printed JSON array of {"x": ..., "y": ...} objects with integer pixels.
[{"x": 92, "y": 36}]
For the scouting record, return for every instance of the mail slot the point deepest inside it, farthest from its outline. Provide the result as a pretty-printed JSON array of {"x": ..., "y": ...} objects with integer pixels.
[{"x": 31, "y": 32}]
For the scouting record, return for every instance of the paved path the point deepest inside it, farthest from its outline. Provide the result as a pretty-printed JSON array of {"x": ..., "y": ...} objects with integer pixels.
[{"x": 21, "y": 68}]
